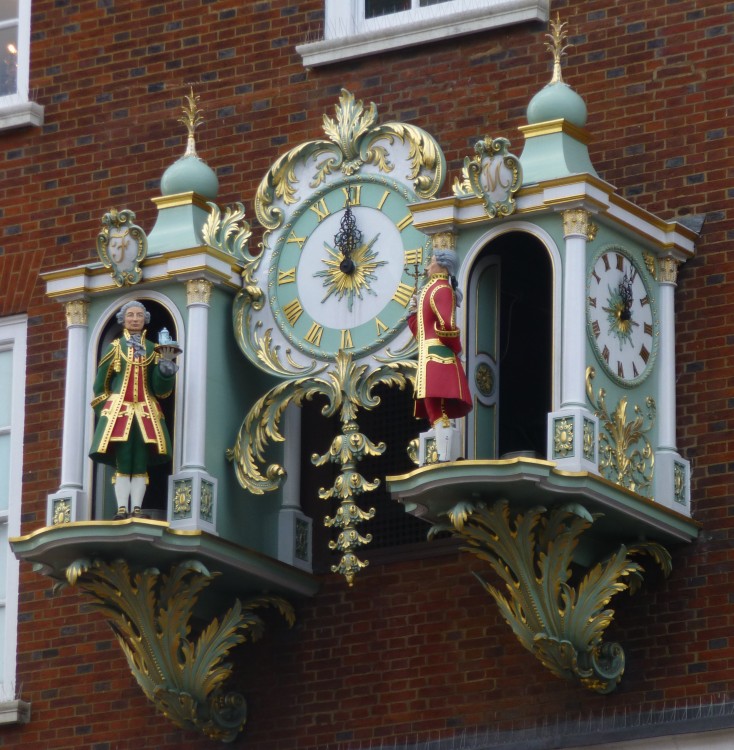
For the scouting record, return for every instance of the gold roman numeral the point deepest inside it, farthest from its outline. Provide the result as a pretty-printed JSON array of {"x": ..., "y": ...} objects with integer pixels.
[
  {"x": 353, "y": 194},
  {"x": 413, "y": 257},
  {"x": 293, "y": 311},
  {"x": 405, "y": 223},
  {"x": 298, "y": 240},
  {"x": 346, "y": 342},
  {"x": 320, "y": 209},
  {"x": 287, "y": 276},
  {"x": 314, "y": 334},
  {"x": 380, "y": 326},
  {"x": 382, "y": 200},
  {"x": 403, "y": 294}
]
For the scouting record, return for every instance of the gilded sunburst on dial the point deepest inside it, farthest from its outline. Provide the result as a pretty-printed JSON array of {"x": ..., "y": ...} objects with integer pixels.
[{"x": 357, "y": 281}]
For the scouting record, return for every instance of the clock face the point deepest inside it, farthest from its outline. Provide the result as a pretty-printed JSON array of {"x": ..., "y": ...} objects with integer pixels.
[
  {"x": 622, "y": 322},
  {"x": 325, "y": 299}
]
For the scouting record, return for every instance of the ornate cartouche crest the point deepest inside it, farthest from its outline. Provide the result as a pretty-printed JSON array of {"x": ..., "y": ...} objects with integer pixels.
[
  {"x": 121, "y": 246},
  {"x": 626, "y": 456},
  {"x": 494, "y": 175}
]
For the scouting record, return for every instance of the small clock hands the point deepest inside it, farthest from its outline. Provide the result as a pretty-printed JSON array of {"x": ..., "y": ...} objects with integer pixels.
[
  {"x": 625, "y": 294},
  {"x": 348, "y": 238}
]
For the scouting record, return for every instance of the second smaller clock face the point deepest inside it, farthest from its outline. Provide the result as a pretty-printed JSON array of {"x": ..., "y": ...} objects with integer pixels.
[
  {"x": 320, "y": 306},
  {"x": 621, "y": 316}
]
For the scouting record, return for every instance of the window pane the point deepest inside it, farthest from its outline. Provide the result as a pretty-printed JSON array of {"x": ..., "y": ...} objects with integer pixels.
[
  {"x": 8, "y": 10},
  {"x": 6, "y": 384},
  {"x": 4, "y": 470},
  {"x": 8, "y": 60},
  {"x": 426, "y": 3},
  {"x": 373, "y": 8}
]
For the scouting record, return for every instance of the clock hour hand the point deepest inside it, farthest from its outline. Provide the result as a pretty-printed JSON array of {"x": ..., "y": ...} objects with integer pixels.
[
  {"x": 625, "y": 294},
  {"x": 347, "y": 239}
]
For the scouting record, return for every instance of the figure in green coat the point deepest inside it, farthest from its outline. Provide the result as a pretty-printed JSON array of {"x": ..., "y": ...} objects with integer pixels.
[{"x": 131, "y": 432}]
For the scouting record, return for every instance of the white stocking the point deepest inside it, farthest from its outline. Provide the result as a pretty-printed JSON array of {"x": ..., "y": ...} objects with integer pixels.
[{"x": 122, "y": 491}]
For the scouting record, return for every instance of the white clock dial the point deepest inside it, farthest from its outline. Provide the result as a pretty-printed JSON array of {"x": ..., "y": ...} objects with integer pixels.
[{"x": 622, "y": 321}]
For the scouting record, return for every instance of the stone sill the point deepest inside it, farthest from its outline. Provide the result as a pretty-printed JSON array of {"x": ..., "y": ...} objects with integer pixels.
[
  {"x": 21, "y": 115},
  {"x": 15, "y": 712}
]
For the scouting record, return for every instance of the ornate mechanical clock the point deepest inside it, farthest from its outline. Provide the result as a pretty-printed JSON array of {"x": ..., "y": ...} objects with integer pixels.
[
  {"x": 621, "y": 316},
  {"x": 339, "y": 272},
  {"x": 324, "y": 304}
]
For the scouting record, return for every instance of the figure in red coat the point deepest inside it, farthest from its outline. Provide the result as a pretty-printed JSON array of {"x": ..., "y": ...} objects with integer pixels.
[{"x": 441, "y": 388}]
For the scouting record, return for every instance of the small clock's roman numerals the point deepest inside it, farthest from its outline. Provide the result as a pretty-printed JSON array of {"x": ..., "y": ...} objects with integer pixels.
[
  {"x": 592, "y": 301},
  {"x": 644, "y": 301},
  {"x": 287, "y": 276},
  {"x": 380, "y": 326},
  {"x": 595, "y": 328},
  {"x": 647, "y": 328},
  {"x": 605, "y": 259},
  {"x": 644, "y": 354},
  {"x": 320, "y": 209},
  {"x": 620, "y": 262},
  {"x": 620, "y": 369},
  {"x": 314, "y": 334},
  {"x": 346, "y": 340},
  {"x": 605, "y": 354},
  {"x": 293, "y": 311},
  {"x": 403, "y": 294}
]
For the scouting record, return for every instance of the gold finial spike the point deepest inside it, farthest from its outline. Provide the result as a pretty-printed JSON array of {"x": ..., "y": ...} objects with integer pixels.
[
  {"x": 191, "y": 119},
  {"x": 557, "y": 47}
]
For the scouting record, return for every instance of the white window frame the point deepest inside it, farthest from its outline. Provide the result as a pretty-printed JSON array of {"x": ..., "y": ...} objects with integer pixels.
[
  {"x": 13, "y": 337},
  {"x": 348, "y": 34},
  {"x": 16, "y": 110}
]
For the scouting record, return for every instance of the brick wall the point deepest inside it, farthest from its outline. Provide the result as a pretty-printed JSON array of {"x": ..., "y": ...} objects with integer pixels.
[{"x": 416, "y": 650}]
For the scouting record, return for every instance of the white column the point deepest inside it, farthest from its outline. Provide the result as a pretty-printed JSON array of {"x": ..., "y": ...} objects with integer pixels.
[
  {"x": 198, "y": 293},
  {"x": 69, "y": 503},
  {"x": 573, "y": 430},
  {"x": 672, "y": 473},
  {"x": 667, "y": 276},
  {"x": 573, "y": 333},
  {"x": 192, "y": 491}
]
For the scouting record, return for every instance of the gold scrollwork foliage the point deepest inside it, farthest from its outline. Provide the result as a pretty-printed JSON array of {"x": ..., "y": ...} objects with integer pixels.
[
  {"x": 353, "y": 141},
  {"x": 626, "y": 456},
  {"x": 150, "y": 614},
  {"x": 230, "y": 232},
  {"x": 561, "y": 624}
]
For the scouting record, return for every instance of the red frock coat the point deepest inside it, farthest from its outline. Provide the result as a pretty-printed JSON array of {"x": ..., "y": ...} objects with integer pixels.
[{"x": 440, "y": 373}]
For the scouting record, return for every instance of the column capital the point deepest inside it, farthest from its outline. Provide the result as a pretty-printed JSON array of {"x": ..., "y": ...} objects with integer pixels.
[
  {"x": 668, "y": 270},
  {"x": 444, "y": 241},
  {"x": 77, "y": 312},
  {"x": 198, "y": 292},
  {"x": 577, "y": 223}
]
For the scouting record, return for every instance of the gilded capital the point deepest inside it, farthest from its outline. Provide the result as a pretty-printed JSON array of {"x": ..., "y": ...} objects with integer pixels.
[
  {"x": 77, "y": 312},
  {"x": 444, "y": 241},
  {"x": 668, "y": 270},
  {"x": 198, "y": 291},
  {"x": 576, "y": 223}
]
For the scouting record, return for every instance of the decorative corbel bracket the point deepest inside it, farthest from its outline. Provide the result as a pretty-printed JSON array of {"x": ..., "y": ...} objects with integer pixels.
[
  {"x": 150, "y": 614},
  {"x": 562, "y": 625}
]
